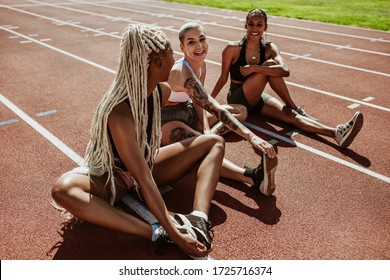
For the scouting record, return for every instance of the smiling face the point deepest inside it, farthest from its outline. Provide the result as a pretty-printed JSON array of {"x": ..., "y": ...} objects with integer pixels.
[
  {"x": 256, "y": 24},
  {"x": 193, "y": 44}
]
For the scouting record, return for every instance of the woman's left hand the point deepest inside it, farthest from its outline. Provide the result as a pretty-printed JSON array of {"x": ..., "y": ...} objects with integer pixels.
[
  {"x": 262, "y": 145},
  {"x": 246, "y": 70}
]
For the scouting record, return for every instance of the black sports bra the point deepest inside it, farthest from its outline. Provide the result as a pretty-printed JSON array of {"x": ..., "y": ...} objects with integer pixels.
[{"x": 234, "y": 70}]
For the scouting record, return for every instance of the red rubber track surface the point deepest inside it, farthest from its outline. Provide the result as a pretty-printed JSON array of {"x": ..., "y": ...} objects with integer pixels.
[{"x": 329, "y": 203}]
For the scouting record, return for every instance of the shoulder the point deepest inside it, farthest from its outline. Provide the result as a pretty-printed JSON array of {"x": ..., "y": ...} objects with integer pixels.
[
  {"x": 179, "y": 70},
  {"x": 272, "y": 48},
  {"x": 119, "y": 116},
  {"x": 232, "y": 48},
  {"x": 233, "y": 45},
  {"x": 179, "y": 73},
  {"x": 120, "y": 110}
]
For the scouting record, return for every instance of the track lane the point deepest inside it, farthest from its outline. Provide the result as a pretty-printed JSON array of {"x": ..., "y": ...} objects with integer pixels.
[{"x": 282, "y": 211}]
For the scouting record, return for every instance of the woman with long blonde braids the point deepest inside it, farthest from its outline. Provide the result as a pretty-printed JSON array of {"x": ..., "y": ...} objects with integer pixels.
[{"x": 124, "y": 151}]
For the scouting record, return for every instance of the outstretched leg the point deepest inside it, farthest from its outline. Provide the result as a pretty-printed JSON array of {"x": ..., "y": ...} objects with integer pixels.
[{"x": 277, "y": 110}]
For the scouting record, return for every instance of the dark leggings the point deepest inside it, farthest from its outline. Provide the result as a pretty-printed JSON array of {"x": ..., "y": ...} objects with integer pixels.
[{"x": 236, "y": 96}]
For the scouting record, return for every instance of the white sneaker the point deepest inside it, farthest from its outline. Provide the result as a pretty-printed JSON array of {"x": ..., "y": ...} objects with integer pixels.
[
  {"x": 345, "y": 133},
  {"x": 267, "y": 186}
]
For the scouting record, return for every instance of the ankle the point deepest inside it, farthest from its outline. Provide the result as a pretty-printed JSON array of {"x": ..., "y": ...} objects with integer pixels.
[
  {"x": 155, "y": 231},
  {"x": 200, "y": 214}
]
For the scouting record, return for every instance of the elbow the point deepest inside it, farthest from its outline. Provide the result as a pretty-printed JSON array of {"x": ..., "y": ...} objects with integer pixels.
[{"x": 286, "y": 73}]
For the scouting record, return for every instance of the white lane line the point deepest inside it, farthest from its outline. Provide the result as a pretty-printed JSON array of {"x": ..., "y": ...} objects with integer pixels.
[
  {"x": 138, "y": 207},
  {"x": 269, "y": 23},
  {"x": 339, "y": 96},
  {"x": 320, "y": 153},
  {"x": 229, "y": 27},
  {"x": 79, "y": 160},
  {"x": 353, "y": 106},
  {"x": 337, "y": 64},
  {"x": 366, "y": 171},
  {"x": 217, "y": 63},
  {"x": 241, "y": 19},
  {"x": 43, "y": 131},
  {"x": 112, "y": 71},
  {"x": 87, "y": 29},
  {"x": 62, "y": 51}
]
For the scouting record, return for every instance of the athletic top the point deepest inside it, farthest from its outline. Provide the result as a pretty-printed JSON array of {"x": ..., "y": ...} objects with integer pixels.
[
  {"x": 118, "y": 161},
  {"x": 234, "y": 70},
  {"x": 181, "y": 96}
]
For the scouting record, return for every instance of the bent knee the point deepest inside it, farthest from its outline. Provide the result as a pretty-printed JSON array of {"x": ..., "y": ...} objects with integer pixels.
[
  {"x": 213, "y": 139},
  {"x": 62, "y": 188}
]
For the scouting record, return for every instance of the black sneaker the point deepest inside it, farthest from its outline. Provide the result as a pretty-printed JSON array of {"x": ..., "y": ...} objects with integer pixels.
[
  {"x": 200, "y": 226},
  {"x": 256, "y": 174}
]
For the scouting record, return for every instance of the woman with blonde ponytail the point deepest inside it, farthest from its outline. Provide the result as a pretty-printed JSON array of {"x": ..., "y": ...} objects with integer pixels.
[{"x": 124, "y": 152}]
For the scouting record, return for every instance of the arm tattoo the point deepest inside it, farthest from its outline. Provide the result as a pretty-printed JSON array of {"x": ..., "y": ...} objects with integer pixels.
[
  {"x": 227, "y": 120},
  {"x": 197, "y": 93}
]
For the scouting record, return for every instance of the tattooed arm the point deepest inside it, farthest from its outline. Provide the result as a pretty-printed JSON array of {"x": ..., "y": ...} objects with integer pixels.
[{"x": 195, "y": 90}]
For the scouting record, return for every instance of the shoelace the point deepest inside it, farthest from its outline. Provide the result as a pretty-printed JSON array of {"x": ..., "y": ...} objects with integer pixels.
[
  {"x": 344, "y": 126},
  {"x": 210, "y": 231}
]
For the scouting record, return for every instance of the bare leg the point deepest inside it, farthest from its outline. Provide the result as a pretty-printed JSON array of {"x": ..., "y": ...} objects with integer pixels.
[
  {"x": 231, "y": 171},
  {"x": 177, "y": 131},
  {"x": 277, "y": 110},
  {"x": 77, "y": 194},
  {"x": 205, "y": 152},
  {"x": 279, "y": 86}
]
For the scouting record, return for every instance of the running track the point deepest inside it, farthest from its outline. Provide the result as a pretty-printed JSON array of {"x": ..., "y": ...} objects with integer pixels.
[{"x": 57, "y": 58}]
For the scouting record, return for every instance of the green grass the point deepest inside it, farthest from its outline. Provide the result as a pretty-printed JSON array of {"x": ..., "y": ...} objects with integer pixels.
[{"x": 374, "y": 14}]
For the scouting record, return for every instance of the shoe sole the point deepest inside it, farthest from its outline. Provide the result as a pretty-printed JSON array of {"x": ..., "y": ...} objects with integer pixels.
[
  {"x": 357, "y": 126},
  {"x": 200, "y": 235},
  {"x": 267, "y": 187}
]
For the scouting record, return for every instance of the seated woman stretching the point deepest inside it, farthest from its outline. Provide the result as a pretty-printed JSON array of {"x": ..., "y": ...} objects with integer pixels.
[
  {"x": 124, "y": 151},
  {"x": 252, "y": 63},
  {"x": 182, "y": 118}
]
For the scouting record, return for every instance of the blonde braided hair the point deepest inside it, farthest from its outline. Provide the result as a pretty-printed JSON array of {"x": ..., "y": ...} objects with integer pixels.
[{"x": 138, "y": 45}]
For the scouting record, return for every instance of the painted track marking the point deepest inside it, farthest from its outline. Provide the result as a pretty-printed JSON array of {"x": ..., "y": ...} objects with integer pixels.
[
  {"x": 328, "y": 156},
  {"x": 217, "y": 63}
]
